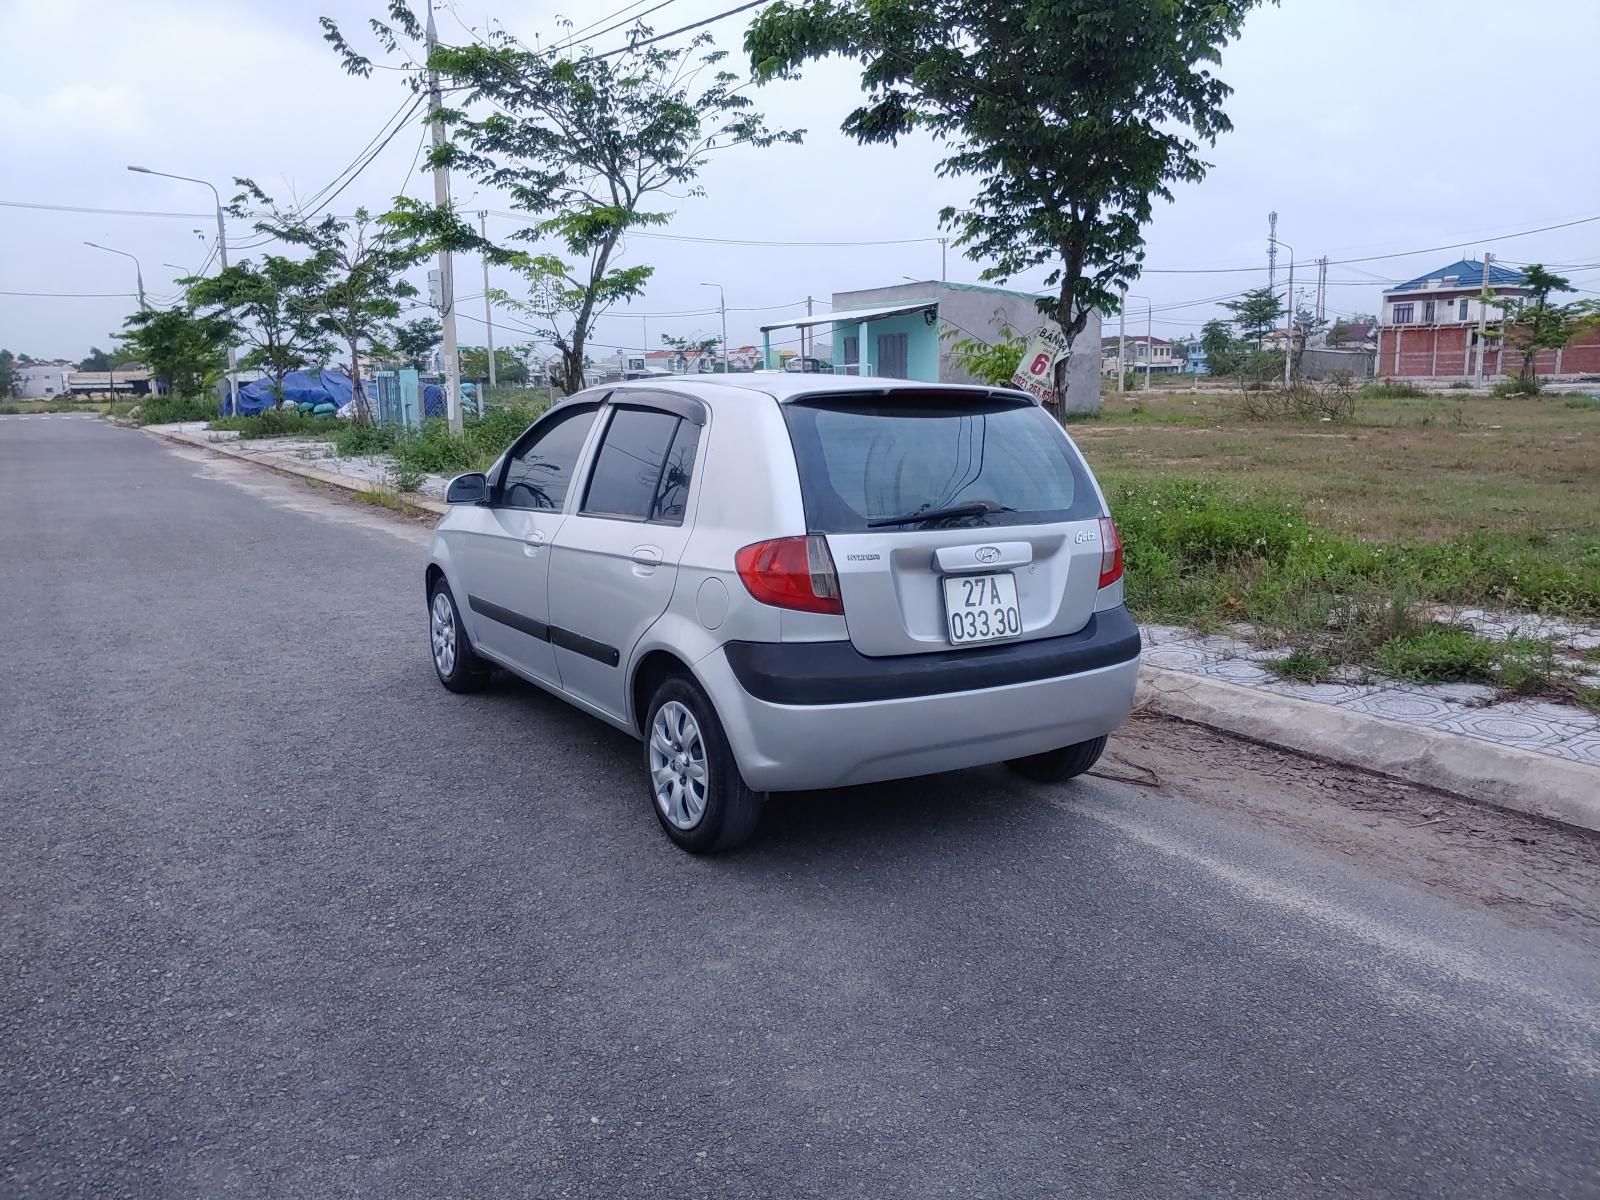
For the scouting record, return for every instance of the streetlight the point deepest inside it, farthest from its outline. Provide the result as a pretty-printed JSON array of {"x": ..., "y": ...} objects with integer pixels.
[
  {"x": 1122, "y": 338},
  {"x": 138, "y": 271},
  {"x": 722, "y": 307},
  {"x": 222, "y": 249},
  {"x": 1288, "y": 345}
]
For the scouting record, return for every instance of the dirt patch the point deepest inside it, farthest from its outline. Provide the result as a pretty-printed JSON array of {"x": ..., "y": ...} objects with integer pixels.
[{"x": 1533, "y": 874}]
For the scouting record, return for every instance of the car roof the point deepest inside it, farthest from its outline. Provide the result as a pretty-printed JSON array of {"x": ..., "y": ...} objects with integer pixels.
[{"x": 784, "y": 386}]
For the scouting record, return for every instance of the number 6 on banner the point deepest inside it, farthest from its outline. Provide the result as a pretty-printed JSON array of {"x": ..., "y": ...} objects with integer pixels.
[{"x": 1040, "y": 364}]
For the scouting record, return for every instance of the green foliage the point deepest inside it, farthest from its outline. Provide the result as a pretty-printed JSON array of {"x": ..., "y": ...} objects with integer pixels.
[
  {"x": 1302, "y": 666},
  {"x": 1225, "y": 353},
  {"x": 406, "y": 478},
  {"x": 355, "y": 440},
  {"x": 181, "y": 347},
  {"x": 10, "y": 385},
  {"x": 1518, "y": 385},
  {"x": 169, "y": 410},
  {"x": 1256, "y": 313},
  {"x": 993, "y": 363},
  {"x": 581, "y": 142},
  {"x": 1389, "y": 389},
  {"x": 1073, "y": 115},
  {"x": 274, "y": 307},
  {"x": 508, "y": 368},
  {"x": 1451, "y": 654},
  {"x": 104, "y": 360},
  {"x": 359, "y": 264},
  {"x": 1533, "y": 323},
  {"x": 280, "y": 422},
  {"x": 416, "y": 340},
  {"x": 1582, "y": 402}
]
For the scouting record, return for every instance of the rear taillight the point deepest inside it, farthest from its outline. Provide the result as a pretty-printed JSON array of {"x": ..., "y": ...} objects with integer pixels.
[
  {"x": 1110, "y": 552},
  {"x": 791, "y": 572}
]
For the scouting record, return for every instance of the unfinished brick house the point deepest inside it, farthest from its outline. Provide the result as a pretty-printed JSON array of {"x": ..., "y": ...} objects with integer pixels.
[{"x": 1428, "y": 327}]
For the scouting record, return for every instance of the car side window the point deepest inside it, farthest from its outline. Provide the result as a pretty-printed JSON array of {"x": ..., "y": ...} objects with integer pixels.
[
  {"x": 630, "y": 464},
  {"x": 673, "y": 490},
  {"x": 538, "y": 472}
]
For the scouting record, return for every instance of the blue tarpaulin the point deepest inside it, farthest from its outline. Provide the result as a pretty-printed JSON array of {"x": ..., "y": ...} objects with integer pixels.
[{"x": 307, "y": 390}]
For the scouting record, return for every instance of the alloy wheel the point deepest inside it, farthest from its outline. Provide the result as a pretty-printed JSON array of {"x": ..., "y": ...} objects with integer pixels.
[{"x": 679, "y": 773}]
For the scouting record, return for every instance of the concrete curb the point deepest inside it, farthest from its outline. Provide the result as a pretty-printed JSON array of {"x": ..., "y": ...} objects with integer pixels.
[
  {"x": 1500, "y": 776},
  {"x": 423, "y": 504}
]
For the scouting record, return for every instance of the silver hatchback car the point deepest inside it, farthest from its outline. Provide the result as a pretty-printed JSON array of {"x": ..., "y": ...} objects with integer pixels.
[{"x": 793, "y": 581}]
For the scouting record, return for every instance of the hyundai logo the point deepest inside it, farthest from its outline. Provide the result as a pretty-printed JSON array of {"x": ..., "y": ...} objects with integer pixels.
[{"x": 986, "y": 554}]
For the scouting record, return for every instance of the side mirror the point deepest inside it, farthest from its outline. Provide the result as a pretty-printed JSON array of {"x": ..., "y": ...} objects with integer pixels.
[{"x": 471, "y": 488}]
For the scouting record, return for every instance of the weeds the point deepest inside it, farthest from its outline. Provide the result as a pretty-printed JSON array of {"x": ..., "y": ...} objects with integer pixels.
[
  {"x": 1583, "y": 402},
  {"x": 1302, "y": 666},
  {"x": 1388, "y": 389},
  {"x": 1517, "y": 386},
  {"x": 169, "y": 410},
  {"x": 280, "y": 422},
  {"x": 406, "y": 479}
]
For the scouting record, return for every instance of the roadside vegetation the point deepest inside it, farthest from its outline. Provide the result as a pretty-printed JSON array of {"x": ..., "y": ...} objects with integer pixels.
[{"x": 1356, "y": 548}]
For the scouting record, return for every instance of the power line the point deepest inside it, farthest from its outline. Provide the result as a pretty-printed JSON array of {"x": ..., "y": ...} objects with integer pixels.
[
  {"x": 574, "y": 37},
  {"x": 75, "y": 295},
  {"x": 660, "y": 37}
]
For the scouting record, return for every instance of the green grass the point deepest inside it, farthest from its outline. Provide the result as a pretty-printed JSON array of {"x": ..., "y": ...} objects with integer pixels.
[
  {"x": 1302, "y": 666},
  {"x": 1516, "y": 386},
  {"x": 169, "y": 410}
]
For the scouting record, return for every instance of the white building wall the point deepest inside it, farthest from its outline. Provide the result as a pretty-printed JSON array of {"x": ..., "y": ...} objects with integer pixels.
[{"x": 40, "y": 383}]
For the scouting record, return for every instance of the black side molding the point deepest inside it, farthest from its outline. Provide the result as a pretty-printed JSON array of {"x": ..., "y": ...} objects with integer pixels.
[
  {"x": 838, "y": 673},
  {"x": 564, "y": 638},
  {"x": 522, "y": 624}
]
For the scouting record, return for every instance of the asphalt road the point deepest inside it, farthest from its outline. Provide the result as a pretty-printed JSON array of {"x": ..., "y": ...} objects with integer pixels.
[{"x": 281, "y": 917}]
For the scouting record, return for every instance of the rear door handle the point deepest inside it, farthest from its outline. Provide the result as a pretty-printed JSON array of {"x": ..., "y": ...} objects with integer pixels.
[{"x": 646, "y": 556}]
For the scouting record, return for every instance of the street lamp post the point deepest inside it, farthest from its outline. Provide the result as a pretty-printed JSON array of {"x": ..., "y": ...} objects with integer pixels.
[
  {"x": 1288, "y": 345},
  {"x": 722, "y": 307},
  {"x": 138, "y": 271},
  {"x": 222, "y": 251},
  {"x": 1149, "y": 350}
]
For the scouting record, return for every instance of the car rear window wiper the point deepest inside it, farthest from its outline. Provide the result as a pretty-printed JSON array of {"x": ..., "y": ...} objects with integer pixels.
[{"x": 972, "y": 508}]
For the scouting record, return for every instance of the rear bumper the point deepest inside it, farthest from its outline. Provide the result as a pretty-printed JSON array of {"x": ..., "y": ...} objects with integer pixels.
[{"x": 790, "y": 730}]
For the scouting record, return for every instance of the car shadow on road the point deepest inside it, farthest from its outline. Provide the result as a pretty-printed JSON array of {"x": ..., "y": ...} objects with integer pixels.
[{"x": 983, "y": 807}]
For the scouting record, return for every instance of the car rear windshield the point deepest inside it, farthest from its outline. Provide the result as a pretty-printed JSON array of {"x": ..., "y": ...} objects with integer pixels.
[{"x": 864, "y": 460}]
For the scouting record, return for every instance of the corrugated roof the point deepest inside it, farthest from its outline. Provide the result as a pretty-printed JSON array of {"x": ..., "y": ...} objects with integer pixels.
[
  {"x": 1468, "y": 273},
  {"x": 857, "y": 314}
]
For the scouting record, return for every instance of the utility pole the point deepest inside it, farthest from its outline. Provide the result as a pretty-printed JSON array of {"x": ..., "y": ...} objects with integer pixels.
[
  {"x": 1122, "y": 343},
  {"x": 1483, "y": 316},
  {"x": 1149, "y": 345},
  {"x": 722, "y": 307},
  {"x": 944, "y": 244},
  {"x": 447, "y": 291},
  {"x": 1288, "y": 346},
  {"x": 488, "y": 308},
  {"x": 806, "y": 336},
  {"x": 1322, "y": 289},
  {"x": 1272, "y": 251}
]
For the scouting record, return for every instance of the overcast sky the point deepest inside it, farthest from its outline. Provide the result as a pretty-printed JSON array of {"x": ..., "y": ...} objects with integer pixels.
[{"x": 1371, "y": 126}]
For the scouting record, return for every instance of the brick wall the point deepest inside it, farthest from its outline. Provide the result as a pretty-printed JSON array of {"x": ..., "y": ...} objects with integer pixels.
[{"x": 1445, "y": 351}]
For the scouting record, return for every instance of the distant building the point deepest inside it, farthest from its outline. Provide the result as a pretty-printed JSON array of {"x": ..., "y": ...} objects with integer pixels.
[
  {"x": 1428, "y": 327},
  {"x": 909, "y": 331},
  {"x": 39, "y": 381},
  {"x": 1139, "y": 348}
]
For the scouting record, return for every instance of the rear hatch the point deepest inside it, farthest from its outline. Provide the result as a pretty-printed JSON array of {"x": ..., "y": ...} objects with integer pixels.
[{"x": 954, "y": 518}]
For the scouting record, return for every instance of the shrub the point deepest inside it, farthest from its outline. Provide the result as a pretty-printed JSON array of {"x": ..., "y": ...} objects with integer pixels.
[
  {"x": 1303, "y": 666},
  {"x": 1517, "y": 386},
  {"x": 170, "y": 410},
  {"x": 280, "y": 422},
  {"x": 1584, "y": 402},
  {"x": 356, "y": 440},
  {"x": 1388, "y": 389},
  {"x": 406, "y": 479},
  {"x": 1442, "y": 654}
]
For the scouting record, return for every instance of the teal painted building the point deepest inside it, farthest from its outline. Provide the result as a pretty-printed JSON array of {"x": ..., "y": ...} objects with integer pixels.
[{"x": 907, "y": 331}]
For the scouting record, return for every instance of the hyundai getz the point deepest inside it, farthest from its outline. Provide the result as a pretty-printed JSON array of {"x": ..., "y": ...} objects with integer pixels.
[{"x": 793, "y": 581}]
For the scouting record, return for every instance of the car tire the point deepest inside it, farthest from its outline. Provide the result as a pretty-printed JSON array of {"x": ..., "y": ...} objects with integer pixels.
[
  {"x": 455, "y": 662},
  {"x": 691, "y": 778},
  {"x": 1053, "y": 766}
]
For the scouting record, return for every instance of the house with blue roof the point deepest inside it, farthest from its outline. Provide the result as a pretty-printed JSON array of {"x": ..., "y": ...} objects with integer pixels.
[{"x": 1428, "y": 325}]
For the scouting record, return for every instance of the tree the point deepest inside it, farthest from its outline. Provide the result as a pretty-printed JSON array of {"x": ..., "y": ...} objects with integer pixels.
[
  {"x": 1072, "y": 114},
  {"x": 1225, "y": 353},
  {"x": 993, "y": 363},
  {"x": 104, "y": 360},
  {"x": 275, "y": 310},
  {"x": 360, "y": 263},
  {"x": 416, "y": 340},
  {"x": 508, "y": 368},
  {"x": 184, "y": 349},
  {"x": 1533, "y": 323},
  {"x": 10, "y": 385},
  {"x": 695, "y": 349},
  {"x": 1256, "y": 313},
  {"x": 581, "y": 142}
]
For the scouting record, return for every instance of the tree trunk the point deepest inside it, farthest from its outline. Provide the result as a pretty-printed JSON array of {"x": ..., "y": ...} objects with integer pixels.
[{"x": 363, "y": 415}]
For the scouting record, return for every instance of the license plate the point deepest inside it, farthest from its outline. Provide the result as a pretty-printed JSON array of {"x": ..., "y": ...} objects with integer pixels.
[{"x": 981, "y": 608}]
